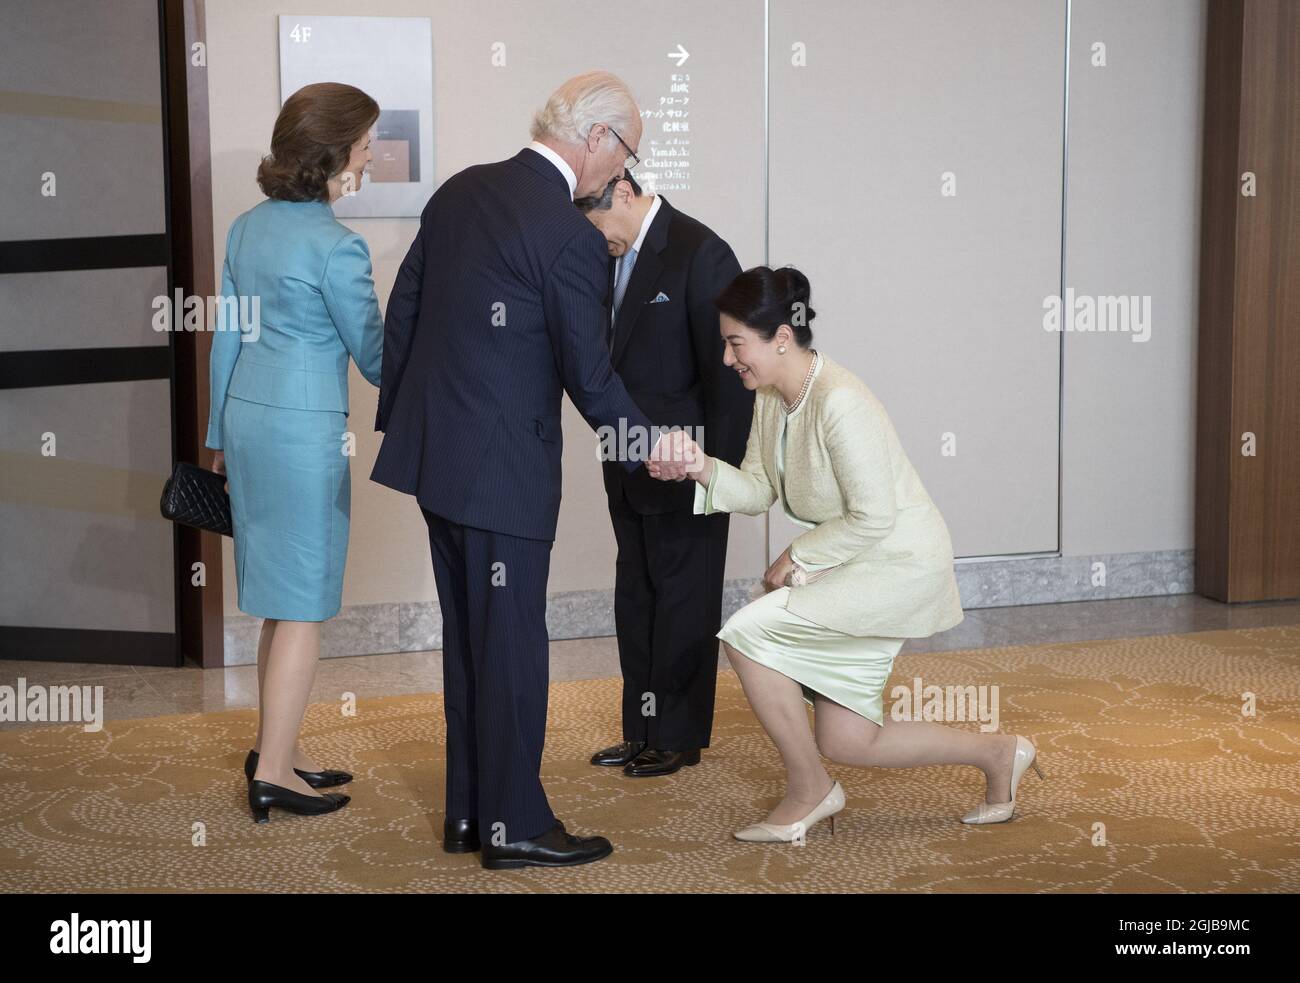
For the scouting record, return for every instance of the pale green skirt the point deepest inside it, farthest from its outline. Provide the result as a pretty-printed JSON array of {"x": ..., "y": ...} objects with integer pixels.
[{"x": 848, "y": 669}]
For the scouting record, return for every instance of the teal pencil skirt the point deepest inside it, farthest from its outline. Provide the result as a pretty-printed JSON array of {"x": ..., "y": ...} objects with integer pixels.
[{"x": 290, "y": 499}]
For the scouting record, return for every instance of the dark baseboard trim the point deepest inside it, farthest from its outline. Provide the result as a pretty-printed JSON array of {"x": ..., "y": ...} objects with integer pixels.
[
  {"x": 83, "y": 366},
  {"x": 87, "y": 645}
]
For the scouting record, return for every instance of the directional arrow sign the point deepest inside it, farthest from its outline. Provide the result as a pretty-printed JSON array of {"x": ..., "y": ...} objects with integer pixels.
[{"x": 681, "y": 54}]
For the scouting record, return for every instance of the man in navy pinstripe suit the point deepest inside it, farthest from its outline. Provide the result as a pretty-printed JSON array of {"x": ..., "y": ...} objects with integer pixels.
[{"x": 497, "y": 309}]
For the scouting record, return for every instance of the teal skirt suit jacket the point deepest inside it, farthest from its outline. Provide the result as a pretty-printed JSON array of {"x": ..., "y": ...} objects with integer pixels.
[{"x": 297, "y": 300}]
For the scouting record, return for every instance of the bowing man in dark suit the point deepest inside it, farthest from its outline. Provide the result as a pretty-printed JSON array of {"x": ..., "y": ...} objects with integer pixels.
[
  {"x": 667, "y": 349},
  {"x": 497, "y": 309}
]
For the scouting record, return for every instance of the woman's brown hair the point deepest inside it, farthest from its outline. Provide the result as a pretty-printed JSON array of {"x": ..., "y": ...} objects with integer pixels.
[{"x": 313, "y": 139}]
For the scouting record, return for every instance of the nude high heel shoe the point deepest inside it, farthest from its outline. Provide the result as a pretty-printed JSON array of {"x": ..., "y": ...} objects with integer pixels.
[
  {"x": 1000, "y": 812},
  {"x": 773, "y": 833}
]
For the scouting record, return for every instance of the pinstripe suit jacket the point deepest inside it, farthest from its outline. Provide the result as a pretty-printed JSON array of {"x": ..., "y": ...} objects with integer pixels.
[{"x": 497, "y": 309}]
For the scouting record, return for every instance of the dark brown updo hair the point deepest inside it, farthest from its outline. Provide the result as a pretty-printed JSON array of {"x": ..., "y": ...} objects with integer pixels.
[
  {"x": 312, "y": 140},
  {"x": 763, "y": 299}
]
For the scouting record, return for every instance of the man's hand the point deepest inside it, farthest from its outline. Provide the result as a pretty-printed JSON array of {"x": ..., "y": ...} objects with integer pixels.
[
  {"x": 776, "y": 575},
  {"x": 675, "y": 456}
]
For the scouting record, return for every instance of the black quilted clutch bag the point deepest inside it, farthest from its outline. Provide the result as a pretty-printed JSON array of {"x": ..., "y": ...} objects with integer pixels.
[{"x": 195, "y": 497}]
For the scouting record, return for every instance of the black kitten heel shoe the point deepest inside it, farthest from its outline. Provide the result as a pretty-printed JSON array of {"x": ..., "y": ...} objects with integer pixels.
[
  {"x": 316, "y": 779},
  {"x": 262, "y": 796}
]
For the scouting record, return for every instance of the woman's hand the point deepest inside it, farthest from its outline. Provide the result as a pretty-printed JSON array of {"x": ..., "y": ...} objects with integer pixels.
[
  {"x": 219, "y": 463},
  {"x": 776, "y": 574},
  {"x": 678, "y": 448},
  {"x": 704, "y": 471}
]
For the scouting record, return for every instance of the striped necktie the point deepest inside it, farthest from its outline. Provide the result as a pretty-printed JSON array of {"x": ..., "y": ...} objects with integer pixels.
[{"x": 625, "y": 264}]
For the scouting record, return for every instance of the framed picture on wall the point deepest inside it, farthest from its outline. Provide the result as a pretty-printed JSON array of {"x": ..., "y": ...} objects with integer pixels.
[{"x": 390, "y": 58}]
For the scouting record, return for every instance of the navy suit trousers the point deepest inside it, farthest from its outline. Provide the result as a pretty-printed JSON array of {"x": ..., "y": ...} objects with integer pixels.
[{"x": 496, "y": 671}]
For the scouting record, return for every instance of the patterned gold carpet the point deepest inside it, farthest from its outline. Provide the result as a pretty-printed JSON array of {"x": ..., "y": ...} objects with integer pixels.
[{"x": 1156, "y": 782}]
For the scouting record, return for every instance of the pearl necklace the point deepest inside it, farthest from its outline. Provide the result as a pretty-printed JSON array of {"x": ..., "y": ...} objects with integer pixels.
[{"x": 812, "y": 369}]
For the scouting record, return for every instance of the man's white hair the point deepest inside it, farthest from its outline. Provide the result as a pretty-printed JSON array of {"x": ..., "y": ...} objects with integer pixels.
[{"x": 582, "y": 102}]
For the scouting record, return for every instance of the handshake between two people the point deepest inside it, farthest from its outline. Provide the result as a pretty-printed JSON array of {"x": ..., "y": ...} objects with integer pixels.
[{"x": 676, "y": 456}]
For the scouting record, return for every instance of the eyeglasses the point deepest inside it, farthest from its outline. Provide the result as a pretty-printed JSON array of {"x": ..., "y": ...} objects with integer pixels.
[{"x": 632, "y": 159}]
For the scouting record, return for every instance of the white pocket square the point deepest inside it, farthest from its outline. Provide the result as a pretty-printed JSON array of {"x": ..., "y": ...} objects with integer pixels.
[{"x": 660, "y": 298}]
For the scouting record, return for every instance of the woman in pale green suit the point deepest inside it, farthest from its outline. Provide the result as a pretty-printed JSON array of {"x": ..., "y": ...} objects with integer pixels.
[{"x": 874, "y": 568}]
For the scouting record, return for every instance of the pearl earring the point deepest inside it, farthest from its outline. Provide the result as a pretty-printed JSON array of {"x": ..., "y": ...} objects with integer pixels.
[{"x": 780, "y": 349}]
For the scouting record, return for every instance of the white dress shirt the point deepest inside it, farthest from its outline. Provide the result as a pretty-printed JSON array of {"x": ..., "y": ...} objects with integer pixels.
[
  {"x": 560, "y": 163},
  {"x": 636, "y": 246}
]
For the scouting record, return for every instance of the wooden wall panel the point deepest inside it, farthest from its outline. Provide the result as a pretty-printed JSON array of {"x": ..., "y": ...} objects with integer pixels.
[
  {"x": 1248, "y": 506},
  {"x": 202, "y": 619}
]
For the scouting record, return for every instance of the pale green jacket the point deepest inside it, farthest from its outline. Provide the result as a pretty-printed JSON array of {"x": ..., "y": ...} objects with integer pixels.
[{"x": 846, "y": 473}]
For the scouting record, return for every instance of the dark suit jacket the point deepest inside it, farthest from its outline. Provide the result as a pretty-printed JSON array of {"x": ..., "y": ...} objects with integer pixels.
[
  {"x": 669, "y": 354},
  {"x": 498, "y": 307}
]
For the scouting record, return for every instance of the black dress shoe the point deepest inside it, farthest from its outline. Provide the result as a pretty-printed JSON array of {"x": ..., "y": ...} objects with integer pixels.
[
  {"x": 554, "y": 848},
  {"x": 316, "y": 779},
  {"x": 460, "y": 835},
  {"x": 263, "y": 796},
  {"x": 618, "y": 755},
  {"x": 651, "y": 762}
]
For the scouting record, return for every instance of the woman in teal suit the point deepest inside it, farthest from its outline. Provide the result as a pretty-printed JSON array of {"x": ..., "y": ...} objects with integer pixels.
[{"x": 302, "y": 285}]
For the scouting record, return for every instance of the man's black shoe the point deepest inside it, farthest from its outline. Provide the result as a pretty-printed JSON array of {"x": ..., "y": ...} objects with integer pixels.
[
  {"x": 554, "y": 848},
  {"x": 460, "y": 835},
  {"x": 618, "y": 755},
  {"x": 651, "y": 763}
]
